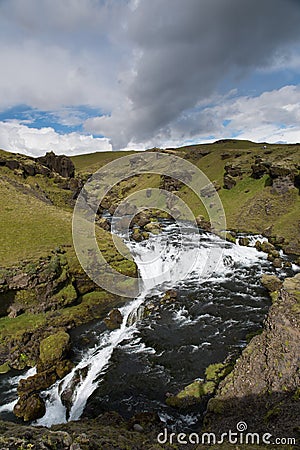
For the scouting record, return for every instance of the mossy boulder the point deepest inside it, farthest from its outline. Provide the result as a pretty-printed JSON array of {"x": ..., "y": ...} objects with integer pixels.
[
  {"x": 228, "y": 182},
  {"x": 230, "y": 237},
  {"x": 189, "y": 396},
  {"x": 169, "y": 296},
  {"x": 54, "y": 348},
  {"x": 36, "y": 383},
  {"x": 267, "y": 247},
  {"x": 244, "y": 241},
  {"x": 292, "y": 285},
  {"x": 4, "y": 368},
  {"x": 30, "y": 408},
  {"x": 114, "y": 319},
  {"x": 198, "y": 390},
  {"x": 63, "y": 367},
  {"x": 277, "y": 263},
  {"x": 271, "y": 282}
]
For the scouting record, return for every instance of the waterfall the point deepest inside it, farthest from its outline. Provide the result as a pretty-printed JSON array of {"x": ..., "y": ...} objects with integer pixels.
[{"x": 162, "y": 261}]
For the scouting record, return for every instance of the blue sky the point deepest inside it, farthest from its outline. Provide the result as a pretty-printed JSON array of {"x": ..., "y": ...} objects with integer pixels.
[{"x": 90, "y": 75}]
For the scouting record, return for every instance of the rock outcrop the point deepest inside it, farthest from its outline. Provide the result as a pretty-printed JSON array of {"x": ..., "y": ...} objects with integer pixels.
[
  {"x": 60, "y": 164},
  {"x": 263, "y": 388}
]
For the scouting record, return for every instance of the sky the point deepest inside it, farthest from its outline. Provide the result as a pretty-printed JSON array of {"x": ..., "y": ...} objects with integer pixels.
[{"x": 79, "y": 76}]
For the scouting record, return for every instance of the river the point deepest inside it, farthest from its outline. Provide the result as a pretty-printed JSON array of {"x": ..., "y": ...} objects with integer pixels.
[{"x": 161, "y": 346}]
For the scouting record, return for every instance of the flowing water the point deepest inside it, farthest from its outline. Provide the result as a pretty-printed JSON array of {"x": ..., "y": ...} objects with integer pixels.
[{"x": 160, "y": 347}]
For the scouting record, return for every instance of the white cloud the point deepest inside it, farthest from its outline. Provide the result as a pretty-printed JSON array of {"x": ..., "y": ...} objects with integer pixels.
[
  {"x": 272, "y": 116},
  {"x": 18, "y": 138},
  {"x": 149, "y": 66}
]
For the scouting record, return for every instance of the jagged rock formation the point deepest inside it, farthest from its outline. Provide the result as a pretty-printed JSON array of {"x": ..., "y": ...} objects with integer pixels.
[
  {"x": 61, "y": 164},
  {"x": 263, "y": 389}
]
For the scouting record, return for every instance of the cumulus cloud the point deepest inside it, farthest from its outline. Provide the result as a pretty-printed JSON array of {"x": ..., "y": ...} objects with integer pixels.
[
  {"x": 36, "y": 142},
  {"x": 58, "y": 54},
  {"x": 153, "y": 69},
  {"x": 185, "y": 50}
]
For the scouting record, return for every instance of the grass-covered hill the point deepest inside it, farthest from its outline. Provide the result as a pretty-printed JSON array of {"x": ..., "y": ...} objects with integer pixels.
[
  {"x": 44, "y": 292},
  {"x": 43, "y": 288},
  {"x": 258, "y": 184}
]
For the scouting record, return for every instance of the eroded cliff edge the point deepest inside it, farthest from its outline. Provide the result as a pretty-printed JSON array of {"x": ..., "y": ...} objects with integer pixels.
[{"x": 263, "y": 388}]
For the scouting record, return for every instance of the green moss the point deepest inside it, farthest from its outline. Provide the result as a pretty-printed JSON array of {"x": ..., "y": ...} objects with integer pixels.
[
  {"x": 209, "y": 387},
  {"x": 17, "y": 326},
  {"x": 216, "y": 371},
  {"x": 53, "y": 347},
  {"x": 4, "y": 368},
  {"x": 215, "y": 406},
  {"x": 66, "y": 296},
  {"x": 194, "y": 389},
  {"x": 274, "y": 296},
  {"x": 26, "y": 297}
]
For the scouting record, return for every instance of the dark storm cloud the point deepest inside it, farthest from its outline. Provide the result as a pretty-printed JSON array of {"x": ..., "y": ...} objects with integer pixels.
[{"x": 185, "y": 49}]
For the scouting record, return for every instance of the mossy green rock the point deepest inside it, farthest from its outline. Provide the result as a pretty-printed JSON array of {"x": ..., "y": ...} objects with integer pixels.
[
  {"x": 292, "y": 285},
  {"x": 189, "y": 396},
  {"x": 244, "y": 241},
  {"x": 271, "y": 282},
  {"x": 53, "y": 348},
  {"x": 230, "y": 238},
  {"x": 4, "y": 368},
  {"x": 30, "y": 408}
]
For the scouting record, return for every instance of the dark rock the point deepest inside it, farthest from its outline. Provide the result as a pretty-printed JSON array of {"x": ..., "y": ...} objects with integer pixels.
[
  {"x": 277, "y": 263},
  {"x": 61, "y": 164},
  {"x": 258, "y": 170},
  {"x": 142, "y": 218},
  {"x": 36, "y": 383},
  {"x": 266, "y": 376},
  {"x": 271, "y": 282},
  {"x": 170, "y": 184},
  {"x": 210, "y": 189},
  {"x": 153, "y": 227},
  {"x": 282, "y": 185},
  {"x": 203, "y": 223},
  {"x": 230, "y": 237},
  {"x": 276, "y": 240},
  {"x": 225, "y": 156},
  {"x": 278, "y": 170},
  {"x": 170, "y": 294},
  {"x": 267, "y": 247},
  {"x": 30, "y": 408},
  {"x": 15, "y": 310},
  {"x": 68, "y": 393},
  {"x": 234, "y": 170},
  {"x": 229, "y": 182},
  {"x": 29, "y": 169},
  {"x": 114, "y": 319},
  {"x": 244, "y": 241},
  {"x": 62, "y": 368},
  {"x": 19, "y": 281},
  {"x": 12, "y": 164}
]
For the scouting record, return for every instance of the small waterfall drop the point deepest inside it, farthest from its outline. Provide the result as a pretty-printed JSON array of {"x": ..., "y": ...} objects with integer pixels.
[{"x": 162, "y": 261}]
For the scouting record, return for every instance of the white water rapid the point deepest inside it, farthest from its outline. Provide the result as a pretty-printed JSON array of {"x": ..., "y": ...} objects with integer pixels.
[{"x": 162, "y": 262}]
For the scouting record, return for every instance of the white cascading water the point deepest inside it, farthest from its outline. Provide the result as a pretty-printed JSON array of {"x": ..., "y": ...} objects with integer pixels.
[
  {"x": 163, "y": 259},
  {"x": 158, "y": 261}
]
